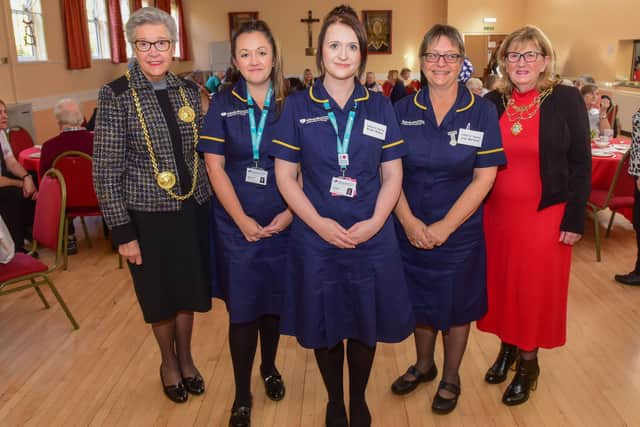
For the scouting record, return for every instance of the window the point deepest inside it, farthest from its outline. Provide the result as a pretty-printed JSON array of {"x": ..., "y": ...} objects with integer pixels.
[
  {"x": 176, "y": 17},
  {"x": 28, "y": 30},
  {"x": 98, "y": 29},
  {"x": 125, "y": 13}
]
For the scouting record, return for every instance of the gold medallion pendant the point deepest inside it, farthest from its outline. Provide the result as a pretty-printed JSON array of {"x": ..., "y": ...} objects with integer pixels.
[
  {"x": 186, "y": 114},
  {"x": 516, "y": 128},
  {"x": 166, "y": 180}
]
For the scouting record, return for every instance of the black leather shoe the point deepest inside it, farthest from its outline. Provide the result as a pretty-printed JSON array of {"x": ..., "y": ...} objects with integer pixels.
[
  {"x": 274, "y": 386},
  {"x": 525, "y": 381},
  {"x": 631, "y": 279},
  {"x": 336, "y": 415},
  {"x": 359, "y": 415},
  {"x": 176, "y": 392},
  {"x": 497, "y": 373},
  {"x": 240, "y": 416},
  {"x": 72, "y": 245},
  {"x": 195, "y": 384},
  {"x": 403, "y": 386},
  {"x": 442, "y": 405}
]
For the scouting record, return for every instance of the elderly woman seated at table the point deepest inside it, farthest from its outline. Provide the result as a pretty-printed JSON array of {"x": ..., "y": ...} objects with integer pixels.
[
  {"x": 598, "y": 121},
  {"x": 72, "y": 137},
  {"x": 17, "y": 188}
]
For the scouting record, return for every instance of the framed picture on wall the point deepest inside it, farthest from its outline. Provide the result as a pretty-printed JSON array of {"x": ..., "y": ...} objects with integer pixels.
[
  {"x": 378, "y": 26},
  {"x": 238, "y": 18}
]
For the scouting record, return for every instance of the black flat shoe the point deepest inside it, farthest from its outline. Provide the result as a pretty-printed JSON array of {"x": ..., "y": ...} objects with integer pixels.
[
  {"x": 240, "y": 416},
  {"x": 336, "y": 415},
  {"x": 497, "y": 373},
  {"x": 274, "y": 386},
  {"x": 442, "y": 405},
  {"x": 176, "y": 392},
  {"x": 195, "y": 384},
  {"x": 402, "y": 386},
  {"x": 631, "y": 279},
  {"x": 524, "y": 382},
  {"x": 359, "y": 415}
]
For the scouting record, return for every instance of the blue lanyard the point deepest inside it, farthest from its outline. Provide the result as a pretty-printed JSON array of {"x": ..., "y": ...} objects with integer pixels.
[
  {"x": 256, "y": 134},
  {"x": 342, "y": 146}
]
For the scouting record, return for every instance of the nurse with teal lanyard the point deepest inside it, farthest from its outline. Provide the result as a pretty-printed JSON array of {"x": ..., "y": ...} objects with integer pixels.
[
  {"x": 250, "y": 218},
  {"x": 344, "y": 274}
]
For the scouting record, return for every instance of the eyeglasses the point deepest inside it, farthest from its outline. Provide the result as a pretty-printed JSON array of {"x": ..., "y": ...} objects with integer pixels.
[
  {"x": 145, "y": 46},
  {"x": 529, "y": 56},
  {"x": 449, "y": 58}
]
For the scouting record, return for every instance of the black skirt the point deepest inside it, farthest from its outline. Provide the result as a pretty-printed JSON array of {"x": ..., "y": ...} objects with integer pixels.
[{"x": 174, "y": 275}]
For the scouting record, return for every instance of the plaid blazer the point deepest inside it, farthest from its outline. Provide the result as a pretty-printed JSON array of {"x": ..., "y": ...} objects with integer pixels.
[
  {"x": 634, "y": 159},
  {"x": 122, "y": 172}
]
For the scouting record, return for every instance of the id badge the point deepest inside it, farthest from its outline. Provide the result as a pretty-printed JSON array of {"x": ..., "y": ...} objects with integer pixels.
[
  {"x": 343, "y": 186},
  {"x": 470, "y": 137},
  {"x": 256, "y": 176}
]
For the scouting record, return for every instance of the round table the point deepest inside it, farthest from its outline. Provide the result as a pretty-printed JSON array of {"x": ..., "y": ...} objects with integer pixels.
[
  {"x": 604, "y": 168},
  {"x": 29, "y": 158}
]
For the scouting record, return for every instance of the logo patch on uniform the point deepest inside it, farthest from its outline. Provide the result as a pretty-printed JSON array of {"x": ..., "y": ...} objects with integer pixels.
[
  {"x": 311, "y": 120},
  {"x": 412, "y": 123},
  {"x": 234, "y": 113}
]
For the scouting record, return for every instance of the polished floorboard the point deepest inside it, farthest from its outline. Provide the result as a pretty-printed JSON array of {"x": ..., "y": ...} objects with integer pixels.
[{"x": 106, "y": 373}]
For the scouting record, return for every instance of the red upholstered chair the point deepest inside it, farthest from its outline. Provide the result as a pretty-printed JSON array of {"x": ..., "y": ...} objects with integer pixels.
[
  {"x": 24, "y": 271},
  {"x": 19, "y": 139},
  {"x": 618, "y": 196},
  {"x": 76, "y": 167}
]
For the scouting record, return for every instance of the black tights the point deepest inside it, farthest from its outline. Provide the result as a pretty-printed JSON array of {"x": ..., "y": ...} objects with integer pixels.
[
  {"x": 243, "y": 340},
  {"x": 174, "y": 339},
  {"x": 331, "y": 362}
]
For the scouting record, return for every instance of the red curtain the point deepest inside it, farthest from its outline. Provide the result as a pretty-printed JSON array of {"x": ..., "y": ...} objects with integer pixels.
[
  {"x": 77, "y": 34},
  {"x": 137, "y": 4},
  {"x": 164, "y": 5},
  {"x": 185, "y": 53},
  {"x": 116, "y": 35}
]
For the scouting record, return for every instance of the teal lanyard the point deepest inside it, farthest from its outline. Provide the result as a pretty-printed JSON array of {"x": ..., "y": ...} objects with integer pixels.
[
  {"x": 342, "y": 146},
  {"x": 256, "y": 134}
]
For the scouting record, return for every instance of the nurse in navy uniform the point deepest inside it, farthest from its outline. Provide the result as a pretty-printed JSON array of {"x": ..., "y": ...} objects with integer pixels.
[
  {"x": 454, "y": 150},
  {"x": 250, "y": 218},
  {"x": 345, "y": 279}
]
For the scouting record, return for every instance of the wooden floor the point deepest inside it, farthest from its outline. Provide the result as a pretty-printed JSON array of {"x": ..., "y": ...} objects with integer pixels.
[{"x": 106, "y": 373}]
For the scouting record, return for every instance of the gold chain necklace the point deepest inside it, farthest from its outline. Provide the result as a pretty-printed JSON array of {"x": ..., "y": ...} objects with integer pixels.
[
  {"x": 524, "y": 112},
  {"x": 167, "y": 179}
]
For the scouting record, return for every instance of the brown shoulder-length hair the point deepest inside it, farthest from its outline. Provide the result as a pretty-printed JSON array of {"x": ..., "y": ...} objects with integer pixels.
[
  {"x": 528, "y": 33},
  {"x": 343, "y": 15},
  {"x": 277, "y": 75}
]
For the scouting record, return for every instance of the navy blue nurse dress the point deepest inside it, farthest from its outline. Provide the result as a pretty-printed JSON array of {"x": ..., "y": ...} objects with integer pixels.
[
  {"x": 447, "y": 284},
  {"x": 331, "y": 293},
  {"x": 250, "y": 276}
]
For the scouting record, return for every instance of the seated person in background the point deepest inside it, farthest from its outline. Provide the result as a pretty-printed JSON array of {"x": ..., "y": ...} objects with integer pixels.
[
  {"x": 611, "y": 110},
  {"x": 475, "y": 85},
  {"x": 490, "y": 82},
  {"x": 411, "y": 86},
  {"x": 293, "y": 84},
  {"x": 392, "y": 78},
  {"x": 597, "y": 119},
  {"x": 371, "y": 83},
  {"x": 307, "y": 78},
  {"x": 17, "y": 189},
  {"x": 72, "y": 137},
  {"x": 636, "y": 72},
  {"x": 214, "y": 81}
]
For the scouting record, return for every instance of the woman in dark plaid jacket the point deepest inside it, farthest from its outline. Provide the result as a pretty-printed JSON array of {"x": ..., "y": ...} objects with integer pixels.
[{"x": 154, "y": 193}]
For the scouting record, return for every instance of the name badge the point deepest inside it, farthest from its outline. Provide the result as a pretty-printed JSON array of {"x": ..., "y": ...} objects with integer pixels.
[
  {"x": 343, "y": 186},
  {"x": 256, "y": 176},
  {"x": 470, "y": 137},
  {"x": 375, "y": 130}
]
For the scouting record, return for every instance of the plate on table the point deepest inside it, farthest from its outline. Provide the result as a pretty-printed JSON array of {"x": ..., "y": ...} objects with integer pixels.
[
  {"x": 601, "y": 153},
  {"x": 622, "y": 147},
  {"x": 34, "y": 155}
]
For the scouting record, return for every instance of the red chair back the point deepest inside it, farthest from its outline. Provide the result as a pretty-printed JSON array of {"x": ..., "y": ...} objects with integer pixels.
[
  {"x": 19, "y": 139},
  {"x": 76, "y": 167},
  {"x": 48, "y": 222},
  {"x": 626, "y": 184}
]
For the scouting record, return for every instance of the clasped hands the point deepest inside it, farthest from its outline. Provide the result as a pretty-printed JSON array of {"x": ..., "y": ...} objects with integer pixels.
[
  {"x": 424, "y": 236},
  {"x": 253, "y": 232},
  {"x": 343, "y": 238}
]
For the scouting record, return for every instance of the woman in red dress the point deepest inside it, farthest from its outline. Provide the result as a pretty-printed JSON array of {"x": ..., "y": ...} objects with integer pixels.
[{"x": 536, "y": 210}]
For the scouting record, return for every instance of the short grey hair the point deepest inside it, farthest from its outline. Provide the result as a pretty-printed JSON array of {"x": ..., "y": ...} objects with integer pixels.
[
  {"x": 474, "y": 83},
  {"x": 153, "y": 16},
  {"x": 67, "y": 112},
  {"x": 442, "y": 30}
]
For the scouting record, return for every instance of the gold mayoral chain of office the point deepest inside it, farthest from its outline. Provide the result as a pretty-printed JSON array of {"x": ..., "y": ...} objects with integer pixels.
[
  {"x": 516, "y": 114},
  {"x": 167, "y": 179}
]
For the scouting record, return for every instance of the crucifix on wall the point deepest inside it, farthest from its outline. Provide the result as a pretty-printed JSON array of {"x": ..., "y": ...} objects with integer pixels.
[{"x": 309, "y": 51}]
